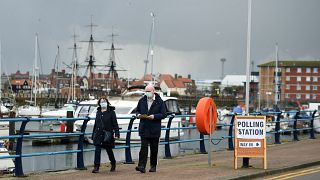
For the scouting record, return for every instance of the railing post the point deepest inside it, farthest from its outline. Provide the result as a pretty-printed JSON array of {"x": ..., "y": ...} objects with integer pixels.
[
  {"x": 311, "y": 125},
  {"x": 167, "y": 151},
  {"x": 80, "y": 162},
  {"x": 295, "y": 132},
  {"x": 277, "y": 129},
  {"x": 202, "y": 146},
  {"x": 18, "y": 160},
  {"x": 128, "y": 143},
  {"x": 230, "y": 139}
]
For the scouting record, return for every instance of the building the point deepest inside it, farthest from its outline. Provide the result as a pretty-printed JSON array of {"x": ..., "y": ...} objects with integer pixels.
[{"x": 298, "y": 81}]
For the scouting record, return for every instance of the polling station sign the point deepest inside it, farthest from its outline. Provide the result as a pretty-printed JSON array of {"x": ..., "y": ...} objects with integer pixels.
[
  {"x": 251, "y": 128},
  {"x": 250, "y": 138}
]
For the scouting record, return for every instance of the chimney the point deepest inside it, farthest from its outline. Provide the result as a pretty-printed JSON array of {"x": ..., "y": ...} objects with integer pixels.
[
  {"x": 189, "y": 76},
  {"x": 175, "y": 76}
]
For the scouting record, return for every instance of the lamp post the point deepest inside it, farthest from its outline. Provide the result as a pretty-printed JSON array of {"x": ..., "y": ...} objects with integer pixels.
[
  {"x": 222, "y": 67},
  {"x": 268, "y": 94},
  {"x": 248, "y": 56}
]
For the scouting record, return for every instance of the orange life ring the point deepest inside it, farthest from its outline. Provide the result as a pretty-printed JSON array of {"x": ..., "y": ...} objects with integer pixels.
[{"x": 203, "y": 115}]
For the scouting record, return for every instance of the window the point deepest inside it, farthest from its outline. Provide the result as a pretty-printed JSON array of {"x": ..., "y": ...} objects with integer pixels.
[
  {"x": 287, "y": 86},
  {"x": 308, "y": 79},
  {"x": 314, "y": 96},
  {"x": 172, "y": 107},
  {"x": 307, "y": 96},
  {"x": 287, "y": 69},
  {"x": 298, "y": 78},
  {"x": 315, "y": 79},
  {"x": 298, "y": 70},
  {"x": 308, "y": 70},
  {"x": 315, "y": 70},
  {"x": 307, "y": 87},
  {"x": 298, "y": 96},
  {"x": 287, "y": 78},
  {"x": 287, "y": 96},
  {"x": 298, "y": 87},
  {"x": 315, "y": 88}
]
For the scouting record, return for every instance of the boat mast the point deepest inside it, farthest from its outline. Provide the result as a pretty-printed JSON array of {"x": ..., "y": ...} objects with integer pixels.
[
  {"x": 35, "y": 69},
  {"x": 90, "y": 59},
  {"x": 113, "y": 74},
  {"x": 75, "y": 67},
  {"x": 57, "y": 69}
]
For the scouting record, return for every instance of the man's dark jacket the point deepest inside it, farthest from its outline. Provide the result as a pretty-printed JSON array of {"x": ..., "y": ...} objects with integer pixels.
[{"x": 151, "y": 128}]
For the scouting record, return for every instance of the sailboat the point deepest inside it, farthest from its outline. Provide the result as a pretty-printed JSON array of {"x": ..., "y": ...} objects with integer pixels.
[
  {"x": 71, "y": 102},
  {"x": 32, "y": 110},
  {"x": 4, "y": 126},
  {"x": 3, "y": 109}
]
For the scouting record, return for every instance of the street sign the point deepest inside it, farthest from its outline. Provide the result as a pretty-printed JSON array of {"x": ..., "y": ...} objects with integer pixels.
[{"x": 250, "y": 138}]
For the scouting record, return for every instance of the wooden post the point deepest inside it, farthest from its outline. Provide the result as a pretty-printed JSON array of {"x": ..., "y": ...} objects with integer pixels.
[
  {"x": 12, "y": 131},
  {"x": 70, "y": 123}
]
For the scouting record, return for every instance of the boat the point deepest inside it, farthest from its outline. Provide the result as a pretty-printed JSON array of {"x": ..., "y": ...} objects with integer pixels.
[
  {"x": 31, "y": 109},
  {"x": 6, "y": 165},
  {"x": 126, "y": 109},
  {"x": 60, "y": 113}
]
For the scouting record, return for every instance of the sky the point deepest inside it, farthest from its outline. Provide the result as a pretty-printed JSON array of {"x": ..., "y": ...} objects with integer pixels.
[{"x": 190, "y": 36}]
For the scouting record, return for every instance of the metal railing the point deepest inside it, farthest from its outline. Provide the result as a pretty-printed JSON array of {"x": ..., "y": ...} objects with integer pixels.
[{"x": 128, "y": 145}]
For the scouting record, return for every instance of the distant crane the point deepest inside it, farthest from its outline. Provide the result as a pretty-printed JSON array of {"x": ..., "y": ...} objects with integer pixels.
[{"x": 150, "y": 46}]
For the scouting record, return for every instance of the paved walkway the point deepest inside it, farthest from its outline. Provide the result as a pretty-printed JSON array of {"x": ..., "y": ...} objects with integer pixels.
[{"x": 283, "y": 157}]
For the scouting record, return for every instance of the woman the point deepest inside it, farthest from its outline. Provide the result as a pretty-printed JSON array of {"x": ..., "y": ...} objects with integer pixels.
[{"x": 106, "y": 120}]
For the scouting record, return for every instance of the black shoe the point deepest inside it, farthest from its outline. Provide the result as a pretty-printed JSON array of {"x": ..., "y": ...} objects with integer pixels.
[
  {"x": 113, "y": 168},
  {"x": 153, "y": 169},
  {"x": 142, "y": 170},
  {"x": 95, "y": 169}
]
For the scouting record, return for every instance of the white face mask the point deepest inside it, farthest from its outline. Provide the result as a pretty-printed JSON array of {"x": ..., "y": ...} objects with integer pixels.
[
  {"x": 104, "y": 105},
  {"x": 149, "y": 95}
]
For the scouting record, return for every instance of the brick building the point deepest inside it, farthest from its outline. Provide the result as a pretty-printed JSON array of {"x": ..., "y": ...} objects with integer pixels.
[{"x": 299, "y": 81}]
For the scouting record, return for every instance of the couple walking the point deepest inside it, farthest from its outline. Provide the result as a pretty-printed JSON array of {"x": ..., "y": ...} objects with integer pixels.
[{"x": 150, "y": 110}]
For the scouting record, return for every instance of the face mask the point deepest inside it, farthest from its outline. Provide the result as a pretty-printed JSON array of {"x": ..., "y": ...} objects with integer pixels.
[
  {"x": 104, "y": 105},
  {"x": 149, "y": 94}
]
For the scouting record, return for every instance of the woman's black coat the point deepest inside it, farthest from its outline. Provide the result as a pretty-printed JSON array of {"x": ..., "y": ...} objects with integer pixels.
[
  {"x": 105, "y": 121},
  {"x": 151, "y": 128}
]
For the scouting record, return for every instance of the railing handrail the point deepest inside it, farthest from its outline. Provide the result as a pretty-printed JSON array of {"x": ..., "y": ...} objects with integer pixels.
[{"x": 20, "y": 136}]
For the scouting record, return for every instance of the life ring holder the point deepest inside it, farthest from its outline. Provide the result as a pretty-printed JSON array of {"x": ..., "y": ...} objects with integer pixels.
[{"x": 204, "y": 107}]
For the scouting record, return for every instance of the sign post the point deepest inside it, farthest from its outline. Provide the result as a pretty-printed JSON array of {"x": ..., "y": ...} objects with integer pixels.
[
  {"x": 206, "y": 116},
  {"x": 250, "y": 138}
]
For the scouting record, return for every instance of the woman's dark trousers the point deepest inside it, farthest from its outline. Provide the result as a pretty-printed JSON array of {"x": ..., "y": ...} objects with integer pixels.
[{"x": 97, "y": 155}]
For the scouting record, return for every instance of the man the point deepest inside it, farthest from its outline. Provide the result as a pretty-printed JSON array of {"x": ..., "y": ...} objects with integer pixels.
[{"x": 150, "y": 110}]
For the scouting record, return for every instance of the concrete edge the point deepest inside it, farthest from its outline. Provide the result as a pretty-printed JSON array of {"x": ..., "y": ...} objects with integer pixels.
[{"x": 277, "y": 171}]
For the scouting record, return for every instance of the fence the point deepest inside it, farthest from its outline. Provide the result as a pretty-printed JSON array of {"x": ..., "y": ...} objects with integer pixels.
[{"x": 299, "y": 116}]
